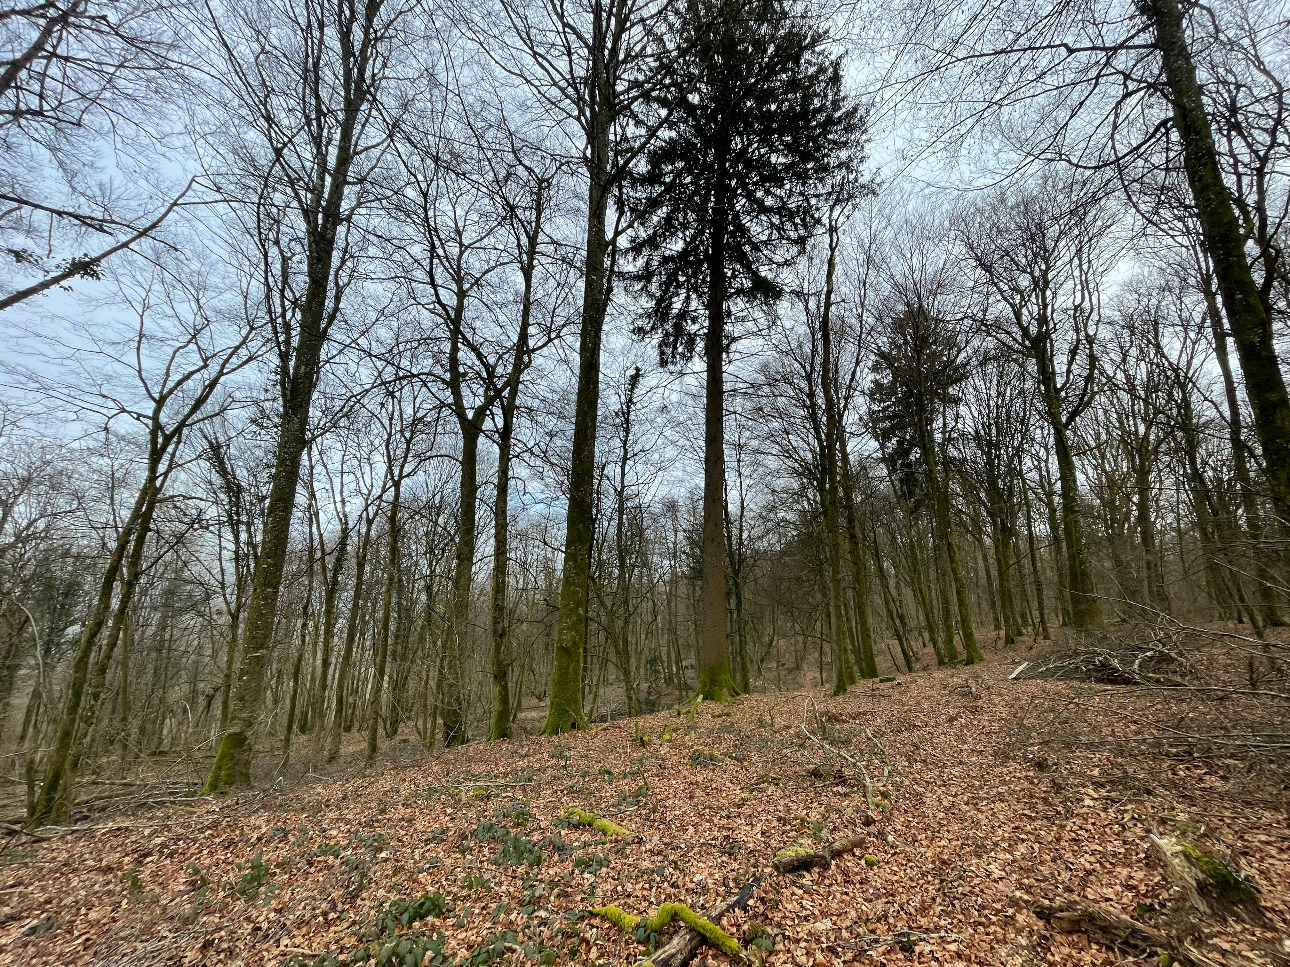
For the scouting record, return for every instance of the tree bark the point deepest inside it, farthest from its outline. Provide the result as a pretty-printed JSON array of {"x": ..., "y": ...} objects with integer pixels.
[
  {"x": 564, "y": 711},
  {"x": 1225, "y": 244},
  {"x": 844, "y": 674},
  {"x": 387, "y": 608},
  {"x": 715, "y": 680}
]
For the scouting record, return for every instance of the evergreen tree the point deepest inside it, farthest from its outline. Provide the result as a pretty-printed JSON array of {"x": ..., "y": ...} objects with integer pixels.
[
  {"x": 730, "y": 191},
  {"x": 918, "y": 367}
]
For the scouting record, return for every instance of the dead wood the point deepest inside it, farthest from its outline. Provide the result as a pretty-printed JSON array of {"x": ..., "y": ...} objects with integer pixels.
[
  {"x": 1212, "y": 888},
  {"x": 680, "y": 950},
  {"x": 1113, "y": 664},
  {"x": 790, "y": 861},
  {"x": 1111, "y": 929}
]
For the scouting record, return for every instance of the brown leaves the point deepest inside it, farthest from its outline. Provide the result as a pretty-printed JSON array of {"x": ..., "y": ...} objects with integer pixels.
[{"x": 967, "y": 831}]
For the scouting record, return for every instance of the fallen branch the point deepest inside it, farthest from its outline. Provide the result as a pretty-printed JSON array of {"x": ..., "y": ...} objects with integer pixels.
[
  {"x": 864, "y": 773},
  {"x": 704, "y": 927},
  {"x": 1111, "y": 929},
  {"x": 608, "y": 827},
  {"x": 793, "y": 859},
  {"x": 680, "y": 950},
  {"x": 877, "y": 746}
]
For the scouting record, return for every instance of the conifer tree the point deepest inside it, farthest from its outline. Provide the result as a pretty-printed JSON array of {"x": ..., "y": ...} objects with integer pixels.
[{"x": 731, "y": 189}]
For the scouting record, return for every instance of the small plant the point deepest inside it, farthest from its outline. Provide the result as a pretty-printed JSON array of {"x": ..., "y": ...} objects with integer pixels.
[
  {"x": 254, "y": 878},
  {"x": 756, "y": 935},
  {"x": 591, "y": 863},
  {"x": 401, "y": 913},
  {"x": 512, "y": 849},
  {"x": 703, "y": 758},
  {"x": 630, "y": 800},
  {"x": 474, "y": 881},
  {"x": 200, "y": 879},
  {"x": 133, "y": 884},
  {"x": 515, "y": 814}
]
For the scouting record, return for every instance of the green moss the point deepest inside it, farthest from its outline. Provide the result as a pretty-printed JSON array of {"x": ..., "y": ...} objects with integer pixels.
[
  {"x": 605, "y": 826},
  {"x": 790, "y": 852},
  {"x": 716, "y": 683},
  {"x": 619, "y": 918},
  {"x": 232, "y": 766},
  {"x": 756, "y": 930},
  {"x": 870, "y": 860},
  {"x": 1229, "y": 886},
  {"x": 667, "y": 913}
]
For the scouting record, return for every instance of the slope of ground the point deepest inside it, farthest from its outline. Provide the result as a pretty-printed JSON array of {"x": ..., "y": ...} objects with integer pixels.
[{"x": 989, "y": 796}]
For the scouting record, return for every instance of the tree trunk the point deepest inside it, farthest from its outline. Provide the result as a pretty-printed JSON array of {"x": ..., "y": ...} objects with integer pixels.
[
  {"x": 457, "y": 631},
  {"x": 866, "y": 663},
  {"x": 715, "y": 681},
  {"x": 940, "y": 490},
  {"x": 844, "y": 675},
  {"x": 343, "y": 671},
  {"x": 125, "y": 559},
  {"x": 330, "y": 596},
  {"x": 1225, "y": 245},
  {"x": 387, "y": 608},
  {"x": 500, "y": 724}
]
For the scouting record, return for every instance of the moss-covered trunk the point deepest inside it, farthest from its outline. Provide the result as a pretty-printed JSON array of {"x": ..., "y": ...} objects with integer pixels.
[
  {"x": 564, "y": 711},
  {"x": 1225, "y": 244}
]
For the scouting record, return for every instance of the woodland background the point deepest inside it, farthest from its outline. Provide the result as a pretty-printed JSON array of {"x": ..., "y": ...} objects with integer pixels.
[{"x": 309, "y": 304}]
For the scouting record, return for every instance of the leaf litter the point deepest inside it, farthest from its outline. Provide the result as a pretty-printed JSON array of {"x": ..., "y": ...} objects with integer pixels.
[{"x": 989, "y": 796}]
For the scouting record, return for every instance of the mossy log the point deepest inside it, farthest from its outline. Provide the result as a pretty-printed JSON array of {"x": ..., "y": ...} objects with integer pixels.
[
  {"x": 699, "y": 930},
  {"x": 606, "y": 826},
  {"x": 1211, "y": 887},
  {"x": 798, "y": 858},
  {"x": 1120, "y": 933},
  {"x": 661, "y": 920}
]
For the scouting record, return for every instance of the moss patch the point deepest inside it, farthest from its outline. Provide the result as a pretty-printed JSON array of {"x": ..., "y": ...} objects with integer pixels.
[
  {"x": 792, "y": 851},
  {"x": 618, "y": 917},
  {"x": 582, "y": 818},
  {"x": 1227, "y": 884}
]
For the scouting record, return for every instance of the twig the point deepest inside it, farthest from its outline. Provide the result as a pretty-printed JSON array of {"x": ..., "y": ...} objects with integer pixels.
[
  {"x": 864, "y": 773},
  {"x": 878, "y": 747}
]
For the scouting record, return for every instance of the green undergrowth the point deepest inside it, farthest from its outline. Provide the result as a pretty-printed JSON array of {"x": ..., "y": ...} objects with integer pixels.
[{"x": 388, "y": 943}]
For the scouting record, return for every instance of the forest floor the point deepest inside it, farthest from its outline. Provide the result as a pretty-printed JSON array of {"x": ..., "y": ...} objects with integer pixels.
[{"x": 990, "y": 796}]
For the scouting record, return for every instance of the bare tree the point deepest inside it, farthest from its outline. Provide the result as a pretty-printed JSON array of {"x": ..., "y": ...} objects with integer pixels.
[{"x": 304, "y": 157}]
